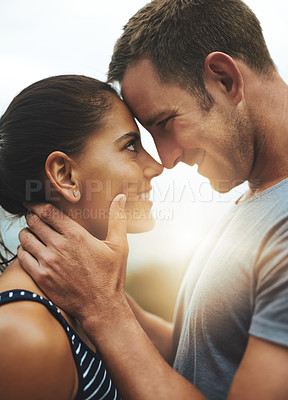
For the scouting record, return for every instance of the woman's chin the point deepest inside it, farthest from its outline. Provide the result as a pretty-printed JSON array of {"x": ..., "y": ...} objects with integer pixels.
[{"x": 140, "y": 226}]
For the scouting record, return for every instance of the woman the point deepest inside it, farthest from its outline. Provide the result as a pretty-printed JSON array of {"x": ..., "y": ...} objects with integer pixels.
[{"x": 71, "y": 141}]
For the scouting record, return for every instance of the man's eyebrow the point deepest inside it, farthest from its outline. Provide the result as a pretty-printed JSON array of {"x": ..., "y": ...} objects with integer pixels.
[
  {"x": 155, "y": 117},
  {"x": 134, "y": 135}
]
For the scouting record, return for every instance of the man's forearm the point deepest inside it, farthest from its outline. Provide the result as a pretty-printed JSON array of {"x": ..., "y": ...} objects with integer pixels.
[
  {"x": 97, "y": 299},
  {"x": 157, "y": 329},
  {"x": 135, "y": 365}
]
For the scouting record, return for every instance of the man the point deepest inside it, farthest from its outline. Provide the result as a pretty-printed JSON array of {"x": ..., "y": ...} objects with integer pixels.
[{"x": 197, "y": 74}]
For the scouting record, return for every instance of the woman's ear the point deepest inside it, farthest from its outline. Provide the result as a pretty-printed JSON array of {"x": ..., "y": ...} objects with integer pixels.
[
  {"x": 221, "y": 69},
  {"x": 61, "y": 171}
]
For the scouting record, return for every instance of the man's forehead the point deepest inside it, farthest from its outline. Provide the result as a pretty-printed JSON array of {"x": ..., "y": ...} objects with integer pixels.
[
  {"x": 149, "y": 98},
  {"x": 139, "y": 72},
  {"x": 150, "y": 114}
]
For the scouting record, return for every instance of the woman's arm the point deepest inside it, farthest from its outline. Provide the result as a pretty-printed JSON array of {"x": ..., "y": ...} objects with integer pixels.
[
  {"x": 157, "y": 329},
  {"x": 35, "y": 356}
]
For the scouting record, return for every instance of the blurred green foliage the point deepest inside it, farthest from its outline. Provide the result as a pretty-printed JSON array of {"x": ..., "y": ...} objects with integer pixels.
[{"x": 155, "y": 288}]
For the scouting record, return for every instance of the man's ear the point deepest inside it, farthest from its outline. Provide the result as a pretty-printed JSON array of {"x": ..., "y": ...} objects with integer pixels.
[
  {"x": 222, "y": 71},
  {"x": 60, "y": 170}
]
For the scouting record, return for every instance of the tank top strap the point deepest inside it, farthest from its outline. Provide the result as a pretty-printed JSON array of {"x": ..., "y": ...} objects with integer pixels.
[
  {"x": 93, "y": 378},
  {"x": 14, "y": 295}
]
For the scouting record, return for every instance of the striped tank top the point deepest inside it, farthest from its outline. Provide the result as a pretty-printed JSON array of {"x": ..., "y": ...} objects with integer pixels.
[{"x": 94, "y": 381}]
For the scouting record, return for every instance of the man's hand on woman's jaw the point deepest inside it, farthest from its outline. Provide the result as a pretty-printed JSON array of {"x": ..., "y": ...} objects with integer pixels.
[{"x": 77, "y": 271}]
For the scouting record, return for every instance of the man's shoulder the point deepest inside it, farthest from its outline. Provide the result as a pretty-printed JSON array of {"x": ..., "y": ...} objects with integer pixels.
[{"x": 266, "y": 211}]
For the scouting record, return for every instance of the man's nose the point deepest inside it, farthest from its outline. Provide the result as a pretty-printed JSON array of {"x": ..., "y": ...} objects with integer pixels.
[{"x": 169, "y": 152}]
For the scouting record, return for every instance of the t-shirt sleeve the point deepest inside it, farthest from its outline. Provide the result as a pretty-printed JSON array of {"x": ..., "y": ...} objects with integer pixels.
[{"x": 270, "y": 317}]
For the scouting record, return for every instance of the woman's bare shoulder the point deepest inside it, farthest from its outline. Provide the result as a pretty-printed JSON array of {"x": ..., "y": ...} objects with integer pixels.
[{"x": 35, "y": 354}]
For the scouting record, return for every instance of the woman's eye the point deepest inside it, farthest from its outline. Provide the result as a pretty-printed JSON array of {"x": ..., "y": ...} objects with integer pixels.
[{"x": 131, "y": 146}]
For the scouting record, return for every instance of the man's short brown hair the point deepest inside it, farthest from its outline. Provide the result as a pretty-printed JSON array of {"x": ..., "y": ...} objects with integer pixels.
[{"x": 177, "y": 36}]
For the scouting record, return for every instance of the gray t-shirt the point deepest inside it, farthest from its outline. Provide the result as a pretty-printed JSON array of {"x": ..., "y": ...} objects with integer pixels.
[{"x": 236, "y": 286}]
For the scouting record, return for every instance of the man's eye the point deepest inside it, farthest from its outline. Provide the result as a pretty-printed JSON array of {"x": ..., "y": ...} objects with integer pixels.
[{"x": 164, "y": 121}]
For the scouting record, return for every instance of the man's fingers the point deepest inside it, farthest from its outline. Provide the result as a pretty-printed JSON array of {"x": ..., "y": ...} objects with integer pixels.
[
  {"x": 33, "y": 268},
  {"x": 30, "y": 243},
  {"x": 117, "y": 233},
  {"x": 43, "y": 231},
  {"x": 54, "y": 217},
  {"x": 28, "y": 262}
]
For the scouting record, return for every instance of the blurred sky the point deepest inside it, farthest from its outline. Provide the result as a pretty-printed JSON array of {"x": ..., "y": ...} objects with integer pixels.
[{"x": 40, "y": 38}]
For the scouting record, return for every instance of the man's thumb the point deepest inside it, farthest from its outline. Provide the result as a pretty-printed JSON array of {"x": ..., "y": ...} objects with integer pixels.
[{"x": 117, "y": 220}]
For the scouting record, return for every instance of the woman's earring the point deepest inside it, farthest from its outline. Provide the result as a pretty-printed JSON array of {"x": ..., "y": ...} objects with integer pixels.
[{"x": 76, "y": 193}]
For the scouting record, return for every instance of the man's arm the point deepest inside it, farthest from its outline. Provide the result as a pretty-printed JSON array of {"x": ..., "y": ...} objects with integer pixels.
[
  {"x": 138, "y": 369},
  {"x": 87, "y": 278},
  {"x": 262, "y": 373},
  {"x": 157, "y": 329}
]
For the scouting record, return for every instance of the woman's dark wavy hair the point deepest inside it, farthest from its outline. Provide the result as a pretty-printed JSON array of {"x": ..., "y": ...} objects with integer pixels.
[{"x": 56, "y": 113}]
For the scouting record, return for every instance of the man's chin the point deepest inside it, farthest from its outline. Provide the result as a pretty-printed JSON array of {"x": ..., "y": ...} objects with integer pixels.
[{"x": 224, "y": 186}]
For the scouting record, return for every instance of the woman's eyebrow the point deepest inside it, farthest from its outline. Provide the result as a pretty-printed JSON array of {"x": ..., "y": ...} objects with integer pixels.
[{"x": 134, "y": 135}]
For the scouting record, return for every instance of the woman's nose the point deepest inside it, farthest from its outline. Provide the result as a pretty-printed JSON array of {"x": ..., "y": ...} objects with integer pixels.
[{"x": 152, "y": 168}]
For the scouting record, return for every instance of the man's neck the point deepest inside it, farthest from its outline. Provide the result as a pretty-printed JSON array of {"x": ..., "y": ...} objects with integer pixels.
[{"x": 269, "y": 114}]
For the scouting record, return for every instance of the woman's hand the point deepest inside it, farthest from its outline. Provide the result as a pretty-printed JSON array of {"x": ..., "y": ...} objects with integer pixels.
[{"x": 79, "y": 273}]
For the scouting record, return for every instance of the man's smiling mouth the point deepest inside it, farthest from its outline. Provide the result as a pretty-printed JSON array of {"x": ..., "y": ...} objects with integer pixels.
[
  {"x": 144, "y": 195},
  {"x": 201, "y": 158}
]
